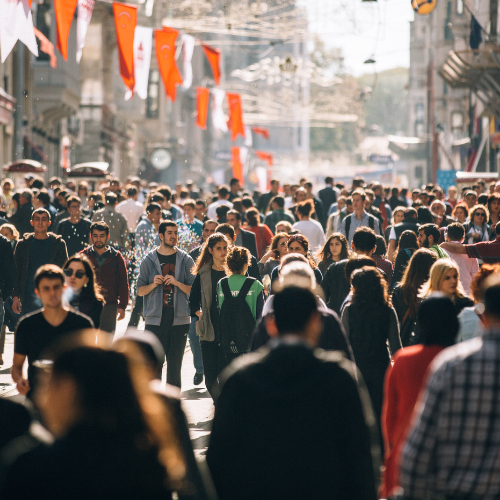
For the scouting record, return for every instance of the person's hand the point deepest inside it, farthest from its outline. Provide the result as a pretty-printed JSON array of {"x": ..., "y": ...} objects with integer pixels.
[
  {"x": 170, "y": 280},
  {"x": 199, "y": 314},
  {"x": 268, "y": 255},
  {"x": 476, "y": 236},
  {"x": 23, "y": 386},
  {"x": 120, "y": 314},
  {"x": 16, "y": 305},
  {"x": 158, "y": 280}
]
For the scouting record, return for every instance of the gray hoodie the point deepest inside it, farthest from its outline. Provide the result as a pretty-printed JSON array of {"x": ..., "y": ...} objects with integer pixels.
[{"x": 153, "y": 302}]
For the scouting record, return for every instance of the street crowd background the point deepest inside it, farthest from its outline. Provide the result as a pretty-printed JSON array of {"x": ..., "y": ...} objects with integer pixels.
[{"x": 349, "y": 338}]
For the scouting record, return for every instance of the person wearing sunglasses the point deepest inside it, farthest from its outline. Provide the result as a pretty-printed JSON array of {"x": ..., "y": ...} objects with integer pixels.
[
  {"x": 83, "y": 293},
  {"x": 477, "y": 229}
]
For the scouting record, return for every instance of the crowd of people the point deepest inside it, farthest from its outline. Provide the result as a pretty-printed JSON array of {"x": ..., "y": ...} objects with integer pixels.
[{"x": 349, "y": 339}]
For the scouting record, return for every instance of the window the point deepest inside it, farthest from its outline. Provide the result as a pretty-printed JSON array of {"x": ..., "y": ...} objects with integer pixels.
[
  {"x": 460, "y": 7},
  {"x": 43, "y": 23},
  {"x": 419, "y": 112},
  {"x": 153, "y": 101}
]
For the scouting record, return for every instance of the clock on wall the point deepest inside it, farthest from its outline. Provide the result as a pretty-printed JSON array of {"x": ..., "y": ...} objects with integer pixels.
[{"x": 161, "y": 159}]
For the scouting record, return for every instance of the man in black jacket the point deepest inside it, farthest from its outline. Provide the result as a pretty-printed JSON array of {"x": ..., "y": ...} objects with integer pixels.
[
  {"x": 291, "y": 422},
  {"x": 21, "y": 219},
  {"x": 33, "y": 251},
  {"x": 328, "y": 195},
  {"x": 243, "y": 238},
  {"x": 7, "y": 278}
]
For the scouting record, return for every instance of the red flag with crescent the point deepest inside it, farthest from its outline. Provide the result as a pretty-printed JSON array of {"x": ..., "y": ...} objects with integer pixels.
[
  {"x": 202, "y": 97},
  {"x": 213, "y": 56},
  {"x": 237, "y": 165},
  {"x": 64, "y": 11},
  {"x": 125, "y": 23},
  {"x": 165, "y": 53},
  {"x": 235, "y": 122}
]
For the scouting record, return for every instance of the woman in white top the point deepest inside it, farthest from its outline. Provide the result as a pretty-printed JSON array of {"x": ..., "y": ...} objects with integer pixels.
[{"x": 308, "y": 227}]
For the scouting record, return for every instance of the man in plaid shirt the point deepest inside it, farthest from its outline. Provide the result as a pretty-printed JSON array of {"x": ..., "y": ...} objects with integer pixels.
[{"x": 453, "y": 448}]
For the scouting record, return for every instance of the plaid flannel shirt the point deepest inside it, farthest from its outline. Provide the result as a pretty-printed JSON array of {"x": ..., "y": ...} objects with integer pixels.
[
  {"x": 385, "y": 265},
  {"x": 453, "y": 448}
]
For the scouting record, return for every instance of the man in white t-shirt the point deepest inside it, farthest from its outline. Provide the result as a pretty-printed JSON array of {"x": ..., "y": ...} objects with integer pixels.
[
  {"x": 223, "y": 195},
  {"x": 131, "y": 209}
]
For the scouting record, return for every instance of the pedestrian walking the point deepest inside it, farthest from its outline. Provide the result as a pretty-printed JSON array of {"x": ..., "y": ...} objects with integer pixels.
[
  {"x": 405, "y": 378},
  {"x": 166, "y": 307},
  {"x": 334, "y": 250},
  {"x": 7, "y": 278},
  {"x": 243, "y": 237},
  {"x": 75, "y": 230},
  {"x": 82, "y": 292},
  {"x": 311, "y": 229},
  {"x": 33, "y": 251},
  {"x": 117, "y": 224},
  {"x": 359, "y": 218},
  {"x": 264, "y": 445},
  {"x": 278, "y": 214},
  {"x": 208, "y": 271},
  {"x": 276, "y": 250},
  {"x": 263, "y": 234},
  {"x": 407, "y": 246},
  {"x": 111, "y": 275},
  {"x": 38, "y": 331},
  {"x": 428, "y": 237}
]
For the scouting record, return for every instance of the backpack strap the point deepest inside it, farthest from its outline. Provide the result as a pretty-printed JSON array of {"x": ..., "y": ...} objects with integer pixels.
[
  {"x": 246, "y": 288},
  {"x": 225, "y": 288},
  {"x": 371, "y": 221},
  {"x": 347, "y": 225}
]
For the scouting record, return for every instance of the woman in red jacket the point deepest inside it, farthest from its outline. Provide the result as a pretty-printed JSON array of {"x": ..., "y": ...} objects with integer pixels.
[
  {"x": 404, "y": 380},
  {"x": 263, "y": 234}
]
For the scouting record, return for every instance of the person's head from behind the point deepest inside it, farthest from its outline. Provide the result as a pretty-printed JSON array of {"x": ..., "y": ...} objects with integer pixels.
[
  {"x": 284, "y": 227},
  {"x": 50, "y": 286},
  {"x": 381, "y": 246},
  {"x": 40, "y": 220},
  {"x": 228, "y": 231},
  {"x": 9, "y": 231},
  {"x": 408, "y": 239},
  {"x": 438, "y": 321},
  {"x": 455, "y": 232},
  {"x": 364, "y": 241},
  {"x": 491, "y": 300},
  {"x": 295, "y": 313},
  {"x": 357, "y": 262},
  {"x": 221, "y": 212},
  {"x": 476, "y": 286},
  {"x": 168, "y": 234},
  {"x": 223, "y": 193},
  {"x": 252, "y": 216},
  {"x": 237, "y": 260},
  {"x": 305, "y": 209},
  {"x": 297, "y": 273},
  {"x": 111, "y": 199},
  {"x": 444, "y": 277},
  {"x": 428, "y": 235},
  {"x": 99, "y": 234},
  {"x": 369, "y": 287},
  {"x": 277, "y": 203}
]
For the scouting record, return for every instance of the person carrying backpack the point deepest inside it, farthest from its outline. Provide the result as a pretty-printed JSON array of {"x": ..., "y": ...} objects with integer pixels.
[{"x": 241, "y": 300}]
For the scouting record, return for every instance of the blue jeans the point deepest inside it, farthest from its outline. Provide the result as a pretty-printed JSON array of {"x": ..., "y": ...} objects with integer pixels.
[{"x": 194, "y": 342}]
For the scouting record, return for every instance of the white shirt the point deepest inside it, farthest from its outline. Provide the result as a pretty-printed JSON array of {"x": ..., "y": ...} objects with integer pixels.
[
  {"x": 313, "y": 231},
  {"x": 211, "y": 211},
  {"x": 467, "y": 267},
  {"x": 131, "y": 210}
]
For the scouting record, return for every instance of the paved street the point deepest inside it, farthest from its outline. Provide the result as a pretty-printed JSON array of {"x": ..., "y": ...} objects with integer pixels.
[{"x": 195, "y": 399}]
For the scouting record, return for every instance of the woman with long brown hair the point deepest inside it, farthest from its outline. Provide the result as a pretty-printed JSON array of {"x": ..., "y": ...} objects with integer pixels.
[
  {"x": 494, "y": 210},
  {"x": 334, "y": 250},
  {"x": 405, "y": 295},
  {"x": 209, "y": 270},
  {"x": 83, "y": 292},
  {"x": 276, "y": 250}
]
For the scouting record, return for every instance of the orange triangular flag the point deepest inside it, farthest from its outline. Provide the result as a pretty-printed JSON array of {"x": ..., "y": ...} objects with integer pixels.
[
  {"x": 266, "y": 157},
  {"x": 264, "y": 132},
  {"x": 64, "y": 11},
  {"x": 165, "y": 53},
  {"x": 235, "y": 122},
  {"x": 30, "y": 2},
  {"x": 237, "y": 165},
  {"x": 213, "y": 56},
  {"x": 125, "y": 23},
  {"x": 202, "y": 97}
]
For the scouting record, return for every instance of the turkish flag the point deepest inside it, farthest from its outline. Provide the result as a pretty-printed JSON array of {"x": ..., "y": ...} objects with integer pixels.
[
  {"x": 266, "y": 157},
  {"x": 235, "y": 122},
  {"x": 125, "y": 23},
  {"x": 264, "y": 132},
  {"x": 237, "y": 165},
  {"x": 213, "y": 56},
  {"x": 165, "y": 53},
  {"x": 202, "y": 97},
  {"x": 64, "y": 11}
]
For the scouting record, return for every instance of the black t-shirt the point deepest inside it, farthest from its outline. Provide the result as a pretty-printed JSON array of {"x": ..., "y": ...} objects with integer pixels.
[
  {"x": 34, "y": 335},
  {"x": 76, "y": 235},
  {"x": 167, "y": 264},
  {"x": 214, "y": 310}
]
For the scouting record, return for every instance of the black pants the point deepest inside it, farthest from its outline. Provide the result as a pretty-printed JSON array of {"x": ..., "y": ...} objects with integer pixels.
[
  {"x": 214, "y": 361},
  {"x": 108, "y": 317},
  {"x": 136, "y": 311},
  {"x": 173, "y": 339}
]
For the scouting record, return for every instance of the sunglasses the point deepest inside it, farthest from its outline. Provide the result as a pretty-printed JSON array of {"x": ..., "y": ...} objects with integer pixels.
[
  {"x": 480, "y": 214},
  {"x": 78, "y": 274}
]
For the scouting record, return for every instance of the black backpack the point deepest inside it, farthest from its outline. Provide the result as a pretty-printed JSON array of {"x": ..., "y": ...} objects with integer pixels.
[{"x": 236, "y": 319}]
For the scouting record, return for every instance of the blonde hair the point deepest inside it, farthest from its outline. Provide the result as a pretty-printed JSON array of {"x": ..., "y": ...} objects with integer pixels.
[
  {"x": 436, "y": 277},
  {"x": 12, "y": 229}
]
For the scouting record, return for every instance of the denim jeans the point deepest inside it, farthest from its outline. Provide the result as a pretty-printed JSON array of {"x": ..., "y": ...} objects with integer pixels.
[{"x": 194, "y": 342}]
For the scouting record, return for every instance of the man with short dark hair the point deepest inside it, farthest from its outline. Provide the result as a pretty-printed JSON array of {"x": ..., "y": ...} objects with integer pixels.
[
  {"x": 328, "y": 195},
  {"x": 235, "y": 188},
  {"x": 277, "y": 214},
  {"x": 452, "y": 446},
  {"x": 131, "y": 209},
  {"x": 209, "y": 227},
  {"x": 243, "y": 238},
  {"x": 75, "y": 230},
  {"x": 428, "y": 237},
  {"x": 63, "y": 213},
  {"x": 359, "y": 218},
  {"x": 201, "y": 210},
  {"x": 116, "y": 222},
  {"x": 257, "y": 409},
  {"x": 222, "y": 199},
  {"x": 190, "y": 228},
  {"x": 43, "y": 199},
  {"x": 267, "y": 197},
  {"x": 22, "y": 218},
  {"x": 175, "y": 210},
  {"x": 111, "y": 275},
  {"x": 166, "y": 307},
  {"x": 32, "y": 251},
  {"x": 36, "y": 332}
]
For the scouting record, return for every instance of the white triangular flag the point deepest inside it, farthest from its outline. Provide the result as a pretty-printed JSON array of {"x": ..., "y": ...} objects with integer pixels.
[
  {"x": 188, "y": 42},
  {"x": 16, "y": 24},
  {"x": 143, "y": 42},
  {"x": 85, "y": 9},
  {"x": 218, "y": 119}
]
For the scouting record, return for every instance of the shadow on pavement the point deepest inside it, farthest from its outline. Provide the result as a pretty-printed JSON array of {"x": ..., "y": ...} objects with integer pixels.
[{"x": 195, "y": 394}]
